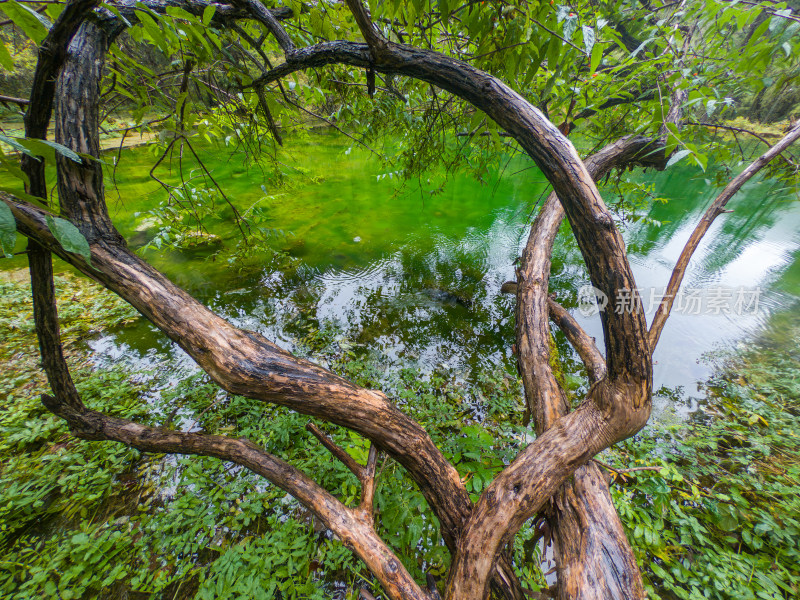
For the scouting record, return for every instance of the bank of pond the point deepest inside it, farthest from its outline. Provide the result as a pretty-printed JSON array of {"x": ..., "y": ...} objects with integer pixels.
[
  {"x": 717, "y": 519},
  {"x": 396, "y": 285}
]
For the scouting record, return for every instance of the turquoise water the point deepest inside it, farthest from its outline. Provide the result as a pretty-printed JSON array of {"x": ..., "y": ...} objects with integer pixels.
[{"x": 415, "y": 269}]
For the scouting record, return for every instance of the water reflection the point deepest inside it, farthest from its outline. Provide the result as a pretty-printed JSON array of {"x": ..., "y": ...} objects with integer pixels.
[
  {"x": 747, "y": 249},
  {"x": 419, "y": 275}
]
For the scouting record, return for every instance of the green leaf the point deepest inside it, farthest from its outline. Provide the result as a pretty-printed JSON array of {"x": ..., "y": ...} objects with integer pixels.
[
  {"x": 36, "y": 147},
  {"x": 12, "y": 168},
  {"x": 678, "y": 156},
  {"x": 54, "y": 11},
  {"x": 63, "y": 150},
  {"x": 700, "y": 159},
  {"x": 756, "y": 36},
  {"x": 70, "y": 237},
  {"x": 553, "y": 50},
  {"x": 597, "y": 56},
  {"x": 208, "y": 13},
  {"x": 8, "y": 230},
  {"x": 115, "y": 11},
  {"x": 16, "y": 145},
  {"x": 34, "y": 25},
  {"x": 5, "y": 58},
  {"x": 21, "y": 195},
  {"x": 570, "y": 25},
  {"x": 641, "y": 47},
  {"x": 444, "y": 9},
  {"x": 588, "y": 39}
]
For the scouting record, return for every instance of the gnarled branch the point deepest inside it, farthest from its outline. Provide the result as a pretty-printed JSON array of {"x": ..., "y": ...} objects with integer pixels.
[
  {"x": 579, "y": 339},
  {"x": 353, "y": 528},
  {"x": 547, "y": 402}
]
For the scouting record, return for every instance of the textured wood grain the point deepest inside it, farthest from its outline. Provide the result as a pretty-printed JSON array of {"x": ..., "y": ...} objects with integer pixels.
[{"x": 581, "y": 516}]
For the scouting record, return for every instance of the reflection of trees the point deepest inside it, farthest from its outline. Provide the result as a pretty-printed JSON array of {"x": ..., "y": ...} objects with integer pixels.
[
  {"x": 757, "y": 210},
  {"x": 421, "y": 325},
  {"x": 389, "y": 302}
]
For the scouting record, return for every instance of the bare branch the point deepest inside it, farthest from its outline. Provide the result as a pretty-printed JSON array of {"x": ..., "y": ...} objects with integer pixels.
[
  {"x": 716, "y": 208},
  {"x": 580, "y": 340},
  {"x": 21, "y": 102},
  {"x": 45, "y": 316},
  {"x": 264, "y": 16},
  {"x": 374, "y": 38},
  {"x": 761, "y": 138},
  {"x": 625, "y": 471},
  {"x": 340, "y": 453},
  {"x": 388, "y": 89},
  {"x": 335, "y": 126},
  {"x": 544, "y": 397},
  {"x": 616, "y": 101},
  {"x": 262, "y": 102},
  {"x": 368, "y": 480},
  {"x": 563, "y": 39}
]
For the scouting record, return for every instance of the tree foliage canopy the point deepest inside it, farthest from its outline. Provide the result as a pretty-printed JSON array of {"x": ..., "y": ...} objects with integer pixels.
[{"x": 636, "y": 83}]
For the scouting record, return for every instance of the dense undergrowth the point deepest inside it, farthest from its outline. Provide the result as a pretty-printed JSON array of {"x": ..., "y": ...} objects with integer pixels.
[
  {"x": 97, "y": 520},
  {"x": 722, "y": 518}
]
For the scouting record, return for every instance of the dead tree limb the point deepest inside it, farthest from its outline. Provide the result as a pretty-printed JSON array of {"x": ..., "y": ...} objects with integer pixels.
[
  {"x": 580, "y": 340},
  {"x": 339, "y": 453}
]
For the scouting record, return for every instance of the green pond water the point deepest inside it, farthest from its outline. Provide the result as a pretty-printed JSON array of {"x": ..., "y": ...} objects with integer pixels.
[{"x": 392, "y": 266}]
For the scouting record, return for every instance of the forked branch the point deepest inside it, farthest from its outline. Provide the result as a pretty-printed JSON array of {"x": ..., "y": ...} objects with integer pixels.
[
  {"x": 365, "y": 473},
  {"x": 374, "y": 38},
  {"x": 338, "y": 452},
  {"x": 368, "y": 481},
  {"x": 264, "y": 16},
  {"x": 583, "y": 517}
]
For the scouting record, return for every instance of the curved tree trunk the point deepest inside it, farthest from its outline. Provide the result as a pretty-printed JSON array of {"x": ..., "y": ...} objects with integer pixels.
[
  {"x": 593, "y": 556},
  {"x": 241, "y": 362},
  {"x": 594, "y": 559}
]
